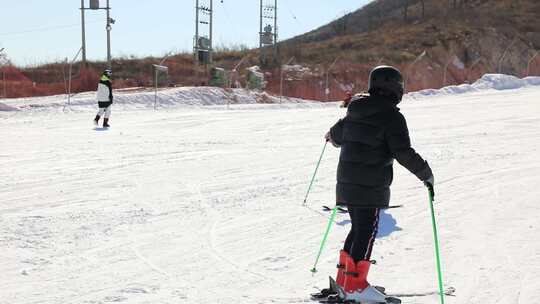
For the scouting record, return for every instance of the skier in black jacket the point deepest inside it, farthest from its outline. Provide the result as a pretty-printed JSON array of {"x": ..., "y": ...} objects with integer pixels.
[{"x": 371, "y": 136}]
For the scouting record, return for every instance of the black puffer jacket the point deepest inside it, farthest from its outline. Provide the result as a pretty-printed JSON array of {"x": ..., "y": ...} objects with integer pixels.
[{"x": 371, "y": 136}]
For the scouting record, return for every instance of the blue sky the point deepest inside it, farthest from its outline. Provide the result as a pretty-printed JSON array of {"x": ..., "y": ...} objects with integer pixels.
[{"x": 38, "y": 31}]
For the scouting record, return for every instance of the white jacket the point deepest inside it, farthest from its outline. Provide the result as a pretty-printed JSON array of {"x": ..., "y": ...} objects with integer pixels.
[{"x": 103, "y": 93}]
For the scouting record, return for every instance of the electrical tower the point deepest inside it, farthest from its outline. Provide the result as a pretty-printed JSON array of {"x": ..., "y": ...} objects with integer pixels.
[
  {"x": 268, "y": 32},
  {"x": 202, "y": 44},
  {"x": 94, "y": 5}
]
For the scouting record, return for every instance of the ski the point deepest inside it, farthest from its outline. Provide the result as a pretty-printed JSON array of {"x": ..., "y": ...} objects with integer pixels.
[
  {"x": 340, "y": 209},
  {"x": 344, "y": 210},
  {"x": 326, "y": 292},
  {"x": 450, "y": 291},
  {"x": 330, "y": 295},
  {"x": 335, "y": 299}
]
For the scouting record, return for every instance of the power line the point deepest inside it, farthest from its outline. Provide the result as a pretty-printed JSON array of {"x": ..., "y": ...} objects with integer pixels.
[
  {"x": 293, "y": 15},
  {"x": 52, "y": 28},
  {"x": 229, "y": 17}
]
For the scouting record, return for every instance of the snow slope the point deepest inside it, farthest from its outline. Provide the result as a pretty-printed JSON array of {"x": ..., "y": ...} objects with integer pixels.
[{"x": 204, "y": 205}]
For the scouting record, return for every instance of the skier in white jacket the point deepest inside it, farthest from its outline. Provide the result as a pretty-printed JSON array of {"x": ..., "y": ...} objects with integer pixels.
[{"x": 104, "y": 98}]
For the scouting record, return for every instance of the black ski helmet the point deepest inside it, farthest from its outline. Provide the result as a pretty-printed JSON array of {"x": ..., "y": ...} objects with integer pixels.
[
  {"x": 386, "y": 79},
  {"x": 107, "y": 72}
]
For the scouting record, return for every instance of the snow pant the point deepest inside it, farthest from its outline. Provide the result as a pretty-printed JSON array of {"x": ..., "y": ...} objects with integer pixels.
[
  {"x": 104, "y": 111},
  {"x": 364, "y": 227}
]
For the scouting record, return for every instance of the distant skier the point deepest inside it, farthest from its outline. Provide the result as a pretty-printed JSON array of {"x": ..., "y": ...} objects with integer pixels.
[
  {"x": 104, "y": 98},
  {"x": 346, "y": 100},
  {"x": 371, "y": 136}
]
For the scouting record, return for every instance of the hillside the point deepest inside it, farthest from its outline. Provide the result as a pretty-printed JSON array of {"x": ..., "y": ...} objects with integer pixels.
[
  {"x": 434, "y": 42},
  {"x": 469, "y": 37}
]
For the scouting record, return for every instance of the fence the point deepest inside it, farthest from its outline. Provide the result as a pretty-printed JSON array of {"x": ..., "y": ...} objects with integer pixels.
[{"x": 303, "y": 81}]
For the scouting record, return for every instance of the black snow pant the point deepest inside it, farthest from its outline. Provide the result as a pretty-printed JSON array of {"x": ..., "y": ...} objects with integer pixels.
[{"x": 364, "y": 227}]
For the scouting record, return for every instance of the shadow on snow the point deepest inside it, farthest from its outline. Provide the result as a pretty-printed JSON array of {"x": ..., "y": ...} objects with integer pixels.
[
  {"x": 100, "y": 129},
  {"x": 387, "y": 224}
]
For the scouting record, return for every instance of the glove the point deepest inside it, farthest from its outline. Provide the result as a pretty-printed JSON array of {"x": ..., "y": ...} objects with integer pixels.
[
  {"x": 429, "y": 183},
  {"x": 328, "y": 138}
]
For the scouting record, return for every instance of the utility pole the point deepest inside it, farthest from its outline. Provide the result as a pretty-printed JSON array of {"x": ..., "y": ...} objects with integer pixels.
[
  {"x": 261, "y": 28},
  {"x": 203, "y": 40},
  {"x": 83, "y": 34},
  {"x": 211, "y": 26},
  {"x": 196, "y": 38},
  {"x": 275, "y": 28},
  {"x": 108, "y": 28},
  {"x": 94, "y": 5},
  {"x": 268, "y": 30}
]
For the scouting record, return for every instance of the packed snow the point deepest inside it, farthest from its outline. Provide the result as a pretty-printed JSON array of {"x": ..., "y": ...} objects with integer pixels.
[{"x": 203, "y": 204}]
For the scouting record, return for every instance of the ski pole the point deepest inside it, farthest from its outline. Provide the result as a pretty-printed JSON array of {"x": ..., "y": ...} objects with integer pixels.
[
  {"x": 315, "y": 173},
  {"x": 324, "y": 238},
  {"x": 436, "y": 238}
]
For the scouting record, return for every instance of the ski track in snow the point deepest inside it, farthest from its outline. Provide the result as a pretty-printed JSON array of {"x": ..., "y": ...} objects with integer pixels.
[{"x": 205, "y": 205}]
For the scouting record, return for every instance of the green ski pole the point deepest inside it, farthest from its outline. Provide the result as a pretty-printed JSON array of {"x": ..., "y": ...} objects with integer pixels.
[
  {"x": 324, "y": 238},
  {"x": 436, "y": 238},
  {"x": 315, "y": 173}
]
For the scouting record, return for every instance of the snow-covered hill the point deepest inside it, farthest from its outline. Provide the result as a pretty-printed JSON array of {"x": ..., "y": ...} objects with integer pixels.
[{"x": 204, "y": 205}]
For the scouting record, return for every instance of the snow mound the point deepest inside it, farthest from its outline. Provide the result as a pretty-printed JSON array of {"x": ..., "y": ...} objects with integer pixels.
[
  {"x": 497, "y": 82},
  {"x": 5, "y": 108},
  {"x": 146, "y": 99}
]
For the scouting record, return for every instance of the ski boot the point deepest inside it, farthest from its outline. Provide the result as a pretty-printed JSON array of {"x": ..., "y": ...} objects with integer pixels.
[
  {"x": 96, "y": 120},
  {"x": 356, "y": 287},
  {"x": 106, "y": 122}
]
